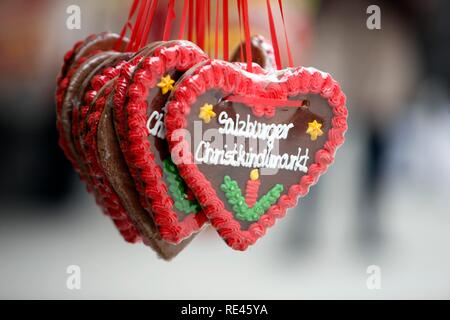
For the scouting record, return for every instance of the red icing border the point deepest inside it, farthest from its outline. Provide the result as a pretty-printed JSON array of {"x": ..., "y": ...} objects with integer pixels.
[
  {"x": 62, "y": 85},
  {"x": 104, "y": 198},
  {"x": 104, "y": 193},
  {"x": 223, "y": 75},
  {"x": 132, "y": 116}
]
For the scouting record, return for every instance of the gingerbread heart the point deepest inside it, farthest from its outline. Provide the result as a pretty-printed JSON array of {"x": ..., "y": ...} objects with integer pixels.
[
  {"x": 249, "y": 145},
  {"x": 142, "y": 135},
  {"x": 73, "y": 60},
  {"x": 140, "y": 95},
  {"x": 81, "y": 64},
  {"x": 105, "y": 160},
  {"x": 91, "y": 84},
  {"x": 79, "y": 113}
]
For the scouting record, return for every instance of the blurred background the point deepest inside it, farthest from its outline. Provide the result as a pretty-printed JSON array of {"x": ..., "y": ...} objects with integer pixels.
[{"x": 385, "y": 202}]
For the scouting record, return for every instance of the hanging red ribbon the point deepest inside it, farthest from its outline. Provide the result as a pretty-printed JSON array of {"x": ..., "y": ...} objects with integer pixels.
[
  {"x": 273, "y": 35},
  {"x": 148, "y": 24},
  {"x": 248, "y": 45},
  {"x": 140, "y": 32},
  {"x": 216, "y": 32},
  {"x": 191, "y": 20},
  {"x": 200, "y": 23},
  {"x": 225, "y": 30},
  {"x": 208, "y": 11},
  {"x": 288, "y": 47},
  {"x": 241, "y": 49},
  {"x": 127, "y": 25},
  {"x": 169, "y": 20},
  {"x": 184, "y": 14},
  {"x": 137, "y": 25}
]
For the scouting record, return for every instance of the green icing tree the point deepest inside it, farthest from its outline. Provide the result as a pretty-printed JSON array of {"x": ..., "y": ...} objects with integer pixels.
[
  {"x": 177, "y": 189},
  {"x": 237, "y": 201}
]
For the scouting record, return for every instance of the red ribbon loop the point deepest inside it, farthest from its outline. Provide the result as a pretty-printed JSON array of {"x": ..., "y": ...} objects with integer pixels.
[
  {"x": 216, "y": 32},
  {"x": 148, "y": 24},
  {"x": 169, "y": 20},
  {"x": 137, "y": 25},
  {"x": 288, "y": 47},
  {"x": 225, "y": 30},
  {"x": 200, "y": 23},
  {"x": 127, "y": 25},
  {"x": 184, "y": 14},
  {"x": 273, "y": 35},
  {"x": 248, "y": 45}
]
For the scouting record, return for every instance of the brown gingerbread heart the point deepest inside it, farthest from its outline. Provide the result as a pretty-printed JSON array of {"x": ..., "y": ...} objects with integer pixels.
[
  {"x": 264, "y": 139},
  {"x": 73, "y": 59},
  {"x": 140, "y": 93},
  {"x": 108, "y": 165},
  {"x": 102, "y": 153}
]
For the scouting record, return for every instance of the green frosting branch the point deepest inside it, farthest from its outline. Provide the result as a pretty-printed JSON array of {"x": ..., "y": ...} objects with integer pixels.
[
  {"x": 237, "y": 201},
  {"x": 177, "y": 189}
]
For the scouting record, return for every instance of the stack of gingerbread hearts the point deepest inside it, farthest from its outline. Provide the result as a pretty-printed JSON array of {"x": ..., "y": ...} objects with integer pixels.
[
  {"x": 136, "y": 184},
  {"x": 168, "y": 139}
]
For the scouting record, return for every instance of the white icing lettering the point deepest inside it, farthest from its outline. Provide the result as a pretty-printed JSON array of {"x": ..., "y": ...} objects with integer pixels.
[
  {"x": 239, "y": 157},
  {"x": 156, "y": 129},
  {"x": 253, "y": 129}
]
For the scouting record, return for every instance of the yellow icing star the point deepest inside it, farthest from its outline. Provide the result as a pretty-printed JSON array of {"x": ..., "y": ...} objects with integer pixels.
[
  {"x": 314, "y": 130},
  {"x": 166, "y": 84},
  {"x": 206, "y": 113}
]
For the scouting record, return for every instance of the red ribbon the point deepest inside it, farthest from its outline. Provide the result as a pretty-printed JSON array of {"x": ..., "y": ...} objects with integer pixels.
[
  {"x": 148, "y": 24},
  {"x": 288, "y": 47},
  {"x": 225, "y": 30},
  {"x": 127, "y": 24},
  {"x": 240, "y": 30},
  {"x": 194, "y": 12},
  {"x": 248, "y": 45},
  {"x": 169, "y": 20},
  {"x": 216, "y": 32},
  {"x": 140, "y": 38},
  {"x": 273, "y": 35},
  {"x": 183, "y": 19},
  {"x": 137, "y": 25},
  {"x": 200, "y": 23},
  {"x": 191, "y": 20},
  {"x": 208, "y": 10}
]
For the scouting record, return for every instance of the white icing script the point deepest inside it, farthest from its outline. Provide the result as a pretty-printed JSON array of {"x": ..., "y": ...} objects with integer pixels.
[
  {"x": 237, "y": 156},
  {"x": 253, "y": 129},
  {"x": 156, "y": 129}
]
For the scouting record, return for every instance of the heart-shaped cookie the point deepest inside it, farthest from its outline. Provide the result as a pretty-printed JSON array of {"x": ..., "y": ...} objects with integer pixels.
[
  {"x": 73, "y": 59},
  {"x": 94, "y": 81},
  {"x": 163, "y": 192},
  {"x": 84, "y": 61},
  {"x": 248, "y": 145},
  {"x": 80, "y": 112},
  {"x": 140, "y": 95},
  {"x": 105, "y": 160}
]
